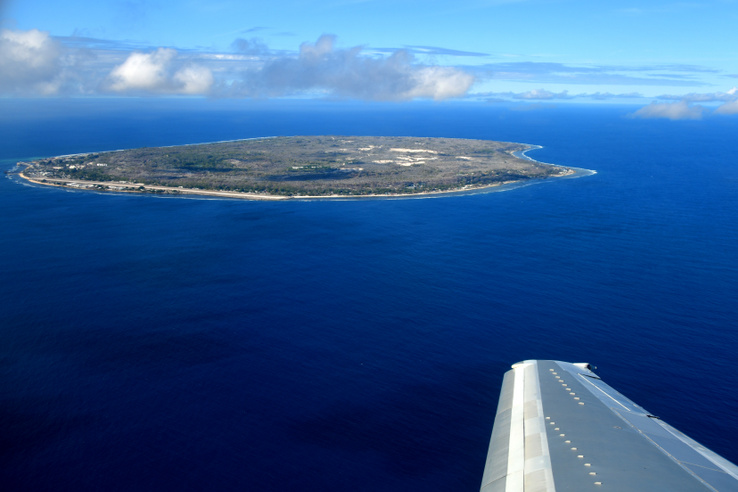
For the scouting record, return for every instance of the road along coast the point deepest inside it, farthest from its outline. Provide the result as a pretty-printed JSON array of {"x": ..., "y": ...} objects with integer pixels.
[{"x": 323, "y": 167}]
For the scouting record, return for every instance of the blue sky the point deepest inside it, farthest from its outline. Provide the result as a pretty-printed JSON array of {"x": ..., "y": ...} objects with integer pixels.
[{"x": 677, "y": 58}]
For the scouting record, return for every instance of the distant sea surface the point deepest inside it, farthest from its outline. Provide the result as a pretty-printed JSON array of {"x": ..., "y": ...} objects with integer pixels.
[{"x": 153, "y": 343}]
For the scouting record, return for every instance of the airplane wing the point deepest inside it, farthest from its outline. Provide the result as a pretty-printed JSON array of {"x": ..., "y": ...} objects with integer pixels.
[{"x": 560, "y": 427}]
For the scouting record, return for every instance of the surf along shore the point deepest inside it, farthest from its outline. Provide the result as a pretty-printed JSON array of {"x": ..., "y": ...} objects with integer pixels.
[{"x": 463, "y": 160}]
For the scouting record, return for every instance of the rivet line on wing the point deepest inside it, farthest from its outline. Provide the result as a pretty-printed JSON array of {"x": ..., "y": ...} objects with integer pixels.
[{"x": 557, "y": 428}]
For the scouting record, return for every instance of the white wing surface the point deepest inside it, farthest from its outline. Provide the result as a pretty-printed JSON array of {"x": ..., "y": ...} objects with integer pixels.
[{"x": 559, "y": 427}]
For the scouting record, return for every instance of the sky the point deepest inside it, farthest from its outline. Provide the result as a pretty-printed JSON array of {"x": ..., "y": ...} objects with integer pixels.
[{"x": 677, "y": 59}]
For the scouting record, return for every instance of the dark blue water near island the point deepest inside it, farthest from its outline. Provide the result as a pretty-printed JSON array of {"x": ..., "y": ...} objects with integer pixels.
[{"x": 157, "y": 343}]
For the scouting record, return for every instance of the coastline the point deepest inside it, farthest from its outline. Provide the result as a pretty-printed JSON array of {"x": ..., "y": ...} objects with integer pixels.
[
  {"x": 578, "y": 171},
  {"x": 170, "y": 191},
  {"x": 140, "y": 188}
]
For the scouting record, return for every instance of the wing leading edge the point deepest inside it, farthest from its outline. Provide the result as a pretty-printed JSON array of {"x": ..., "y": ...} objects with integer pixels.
[{"x": 560, "y": 427}]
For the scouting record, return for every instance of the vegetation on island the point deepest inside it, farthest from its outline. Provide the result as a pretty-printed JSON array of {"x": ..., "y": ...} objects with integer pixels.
[{"x": 312, "y": 166}]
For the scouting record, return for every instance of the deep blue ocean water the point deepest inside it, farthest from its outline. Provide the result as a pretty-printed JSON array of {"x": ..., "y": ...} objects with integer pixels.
[{"x": 197, "y": 344}]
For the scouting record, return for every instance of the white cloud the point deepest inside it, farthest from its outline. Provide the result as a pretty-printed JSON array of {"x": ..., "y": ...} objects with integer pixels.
[
  {"x": 323, "y": 46},
  {"x": 546, "y": 95},
  {"x": 194, "y": 79},
  {"x": 588, "y": 74},
  {"x": 142, "y": 71},
  {"x": 673, "y": 111},
  {"x": 439, "y": 83},
  {"x": 321, "y": 68},
  {"x": 317, "y": 69},
  {"x": 729, "y": 100},
  {"x": 704, "y": 97},
  {"x": 542, "y": 94},
  {"x": 728, "y": 108},
  {"x": 155, "y": 72},
  {"x": 30, "y": 62}
]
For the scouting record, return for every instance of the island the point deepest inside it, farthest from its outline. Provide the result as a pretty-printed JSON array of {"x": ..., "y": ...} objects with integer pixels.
[{"x": 299, "y": 167}]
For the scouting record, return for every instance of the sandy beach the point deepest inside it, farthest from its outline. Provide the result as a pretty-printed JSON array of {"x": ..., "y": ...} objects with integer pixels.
[
  {"x": 137, "y": 187},
  {"x": 115, "y": 187}
]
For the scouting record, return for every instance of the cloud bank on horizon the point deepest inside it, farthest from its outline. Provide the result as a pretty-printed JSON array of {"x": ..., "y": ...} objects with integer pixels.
[
  {"x": 680, "y": 110},
  {"x": 684, "y": 107},
  {"x": 34, "y": 63},
  {"x": 348, "y": 73}
]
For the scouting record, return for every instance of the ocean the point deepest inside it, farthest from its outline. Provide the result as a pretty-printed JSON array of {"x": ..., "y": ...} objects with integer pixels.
[{"x": 161, "y": 343}]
